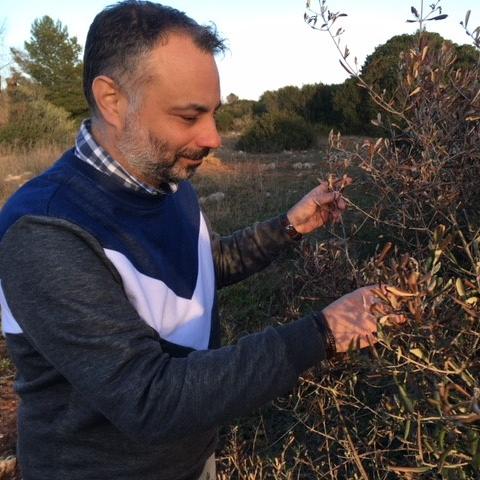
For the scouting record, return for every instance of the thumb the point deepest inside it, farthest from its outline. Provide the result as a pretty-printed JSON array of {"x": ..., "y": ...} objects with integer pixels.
[{"x": 322, "y": 198}]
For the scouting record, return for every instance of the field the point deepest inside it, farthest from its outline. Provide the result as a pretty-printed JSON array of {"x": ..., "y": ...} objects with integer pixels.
[
  {"x": 409, "y": 406},
  {"x": 368, "y": 415},
  {"x": 15, "y": 167},
  {"x": 256, "y": 187}
]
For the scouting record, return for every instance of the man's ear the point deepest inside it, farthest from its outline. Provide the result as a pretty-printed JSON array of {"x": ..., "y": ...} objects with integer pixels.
[{"x": 111, "y": 102}]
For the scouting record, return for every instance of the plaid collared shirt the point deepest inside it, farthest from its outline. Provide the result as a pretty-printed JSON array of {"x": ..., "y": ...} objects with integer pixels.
[{"x": 88, "y": 150}]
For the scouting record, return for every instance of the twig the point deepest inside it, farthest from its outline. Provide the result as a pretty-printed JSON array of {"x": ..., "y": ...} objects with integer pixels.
[{"x": 351, "y": 446}]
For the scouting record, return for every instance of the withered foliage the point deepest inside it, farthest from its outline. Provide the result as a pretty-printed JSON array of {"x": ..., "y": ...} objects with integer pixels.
[
  {"x": 427, "y": 167},
  {"x": 410, "y": 406}
]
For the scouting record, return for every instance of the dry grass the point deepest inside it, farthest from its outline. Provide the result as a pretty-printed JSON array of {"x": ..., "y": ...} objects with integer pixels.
[
  {"x": 410, "y": 407},
  {"x": 19, "y": 165},
  {"x": 253, "y": 191},
  {"x": 367, "y": 416},
  {"x": 276, "y": 442},
  {"x": 4, "y": 108}
]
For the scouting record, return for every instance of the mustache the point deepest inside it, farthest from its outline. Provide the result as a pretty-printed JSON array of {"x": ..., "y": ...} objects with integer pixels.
[{"x": 193, "y": 154}]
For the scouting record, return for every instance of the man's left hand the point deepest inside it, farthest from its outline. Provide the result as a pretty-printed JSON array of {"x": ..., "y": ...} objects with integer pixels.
[{"x": 317, "y": 208}]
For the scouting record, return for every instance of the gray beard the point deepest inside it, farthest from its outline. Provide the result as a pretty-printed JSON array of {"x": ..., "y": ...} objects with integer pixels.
[{"x": 150, "y": 156}]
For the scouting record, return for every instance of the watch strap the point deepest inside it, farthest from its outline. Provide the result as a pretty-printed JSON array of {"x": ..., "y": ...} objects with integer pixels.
[
  {"x": 289, "y": 228},
  {"x": 324, "y": 328}
]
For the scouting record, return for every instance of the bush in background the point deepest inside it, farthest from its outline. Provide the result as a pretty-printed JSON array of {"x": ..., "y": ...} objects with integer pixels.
[
  {"x": 235, "y": 115},
  {"x": 224, "y": 120},
  {"x": 51, "y": 59},
  {"x": 340, "y": 105},
  {"x": 276, "y": 132},
  {"x": 427, "y": 169},
  {"x": 347, "y": 107},
  {"x": 4, "y": 108},
  {"x": 34, "y": 120},
  {"x": 410, "y": 408}
]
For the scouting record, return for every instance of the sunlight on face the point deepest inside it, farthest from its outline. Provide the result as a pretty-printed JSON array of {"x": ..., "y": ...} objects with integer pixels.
[
  {"x": 152, "y": 157},
  {"x": 170, "y": 127}
]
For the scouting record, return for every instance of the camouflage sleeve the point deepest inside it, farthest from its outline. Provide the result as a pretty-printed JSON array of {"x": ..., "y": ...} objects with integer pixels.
[{"x": 248, "y": 251}]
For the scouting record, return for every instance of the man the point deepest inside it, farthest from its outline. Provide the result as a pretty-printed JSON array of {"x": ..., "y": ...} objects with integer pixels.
[{"x": 109, "y": 273}]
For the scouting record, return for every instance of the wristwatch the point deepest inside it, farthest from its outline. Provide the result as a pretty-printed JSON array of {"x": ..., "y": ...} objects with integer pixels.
[
  {"x": 289, "y": 228},
  {"x": 324, "y": 329}
]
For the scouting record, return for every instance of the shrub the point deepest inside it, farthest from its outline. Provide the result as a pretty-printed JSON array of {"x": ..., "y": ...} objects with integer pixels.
[
  {"x": 428, "y": 170},
  {"x": 3, "y": 108},
  {"x": 413, "y": 406},
  {"x": 224, "y": 120},
  {"x": 33, "y": 120},
  {"x": 275, "y": 132},
  {"x": 235, "y": 114}
]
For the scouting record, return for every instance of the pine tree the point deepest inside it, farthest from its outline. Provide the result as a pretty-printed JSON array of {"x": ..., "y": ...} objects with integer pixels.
[{"x": 52, "y": 60}]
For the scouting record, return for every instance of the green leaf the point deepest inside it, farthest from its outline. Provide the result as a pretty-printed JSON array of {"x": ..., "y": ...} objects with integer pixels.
[
  {"x": 408, "y": 425},
  {"x": 439, "y": 17},
  {"x": 407, "y": 402},
  {"x": 476, "y": 461},
  {"x": 467, "y": 18}
]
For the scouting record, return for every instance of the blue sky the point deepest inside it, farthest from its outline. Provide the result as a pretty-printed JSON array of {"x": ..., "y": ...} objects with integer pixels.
[{"x": 270, "y": 46}]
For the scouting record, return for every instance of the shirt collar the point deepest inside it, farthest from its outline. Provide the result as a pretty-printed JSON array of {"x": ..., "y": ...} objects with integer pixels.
[{"x": 88, "y": 150}]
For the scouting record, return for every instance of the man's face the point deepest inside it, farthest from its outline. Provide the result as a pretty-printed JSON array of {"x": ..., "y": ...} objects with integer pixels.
[{"x": 172, "y": 129}]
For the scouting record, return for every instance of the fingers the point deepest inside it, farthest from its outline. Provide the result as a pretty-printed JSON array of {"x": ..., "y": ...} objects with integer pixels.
[
  {"x": 347, "y": 181},
  {"x": 323, "y": 187},
  {"x": 371, "y": 339},
  {"x": 336, "y": 216},
  {"x": 392, "y": 320},
  {"x": 328, "y": 196},
  {"x": 356, "y": 317},
  {"x": 324, "y": 194},
  {"x": 362, "y": 341},
  {"x": 338, "y": 184},
  {"x": 377, "y": 305},
  {"x": 381, "y": 306},
  {"x": 335, "y": 184},
  {"x": 341, "y": 203},
  {"x": 323, "y": 197},
  {"x": 333, "y": 204}
]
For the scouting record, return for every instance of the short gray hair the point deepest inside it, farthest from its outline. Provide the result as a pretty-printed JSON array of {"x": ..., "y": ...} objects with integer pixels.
[{"x": 122, "y": 35}]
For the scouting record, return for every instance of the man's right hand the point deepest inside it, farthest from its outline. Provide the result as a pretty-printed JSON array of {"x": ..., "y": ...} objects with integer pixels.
[{"x": 350, "y": 320}]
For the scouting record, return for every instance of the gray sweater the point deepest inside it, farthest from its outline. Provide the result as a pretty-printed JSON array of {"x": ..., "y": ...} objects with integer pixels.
[{"x": 103, "y": 395}]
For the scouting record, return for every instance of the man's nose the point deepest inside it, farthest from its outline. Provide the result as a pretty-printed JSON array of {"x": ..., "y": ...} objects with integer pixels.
[{"x": 209, "y": 137}]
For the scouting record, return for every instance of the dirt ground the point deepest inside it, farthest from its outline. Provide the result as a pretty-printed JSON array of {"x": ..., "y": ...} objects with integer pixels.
[
  {"x": 229, "y": 158},
  {"x": 8, "y": 422},
  {"x": 8, "y": 408}
]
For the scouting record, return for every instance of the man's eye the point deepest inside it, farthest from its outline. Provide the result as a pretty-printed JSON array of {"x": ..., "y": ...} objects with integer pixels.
[{"x": 189, "y": 119}]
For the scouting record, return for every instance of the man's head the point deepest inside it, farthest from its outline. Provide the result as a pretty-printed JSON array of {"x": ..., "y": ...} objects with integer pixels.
[{"x": 151, "y": 81}]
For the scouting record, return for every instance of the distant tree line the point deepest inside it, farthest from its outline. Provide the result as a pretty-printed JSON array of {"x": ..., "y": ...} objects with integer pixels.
[
  {"x": 273, "y": 123},
  {"x": 44, "y": 98}
]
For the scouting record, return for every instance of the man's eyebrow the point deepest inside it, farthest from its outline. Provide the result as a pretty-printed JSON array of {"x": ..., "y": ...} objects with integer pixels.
[{"x": 197, "y": 107}]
